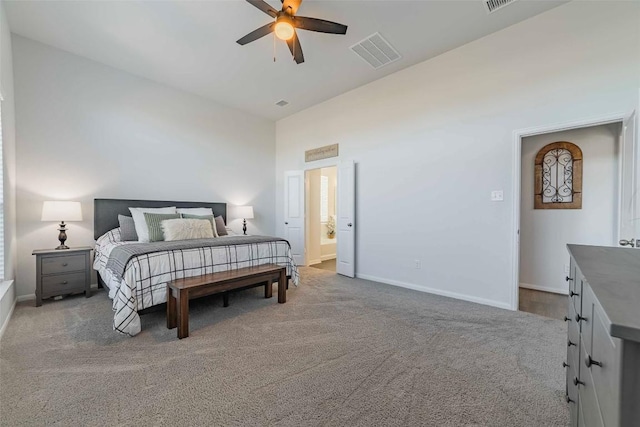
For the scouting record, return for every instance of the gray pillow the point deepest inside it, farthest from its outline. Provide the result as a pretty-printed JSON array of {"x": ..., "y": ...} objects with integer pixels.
[
  {"x": 127, "y": 229},
  {"x": 154, "y": 222},
  {"x": 220, "y": 227}
]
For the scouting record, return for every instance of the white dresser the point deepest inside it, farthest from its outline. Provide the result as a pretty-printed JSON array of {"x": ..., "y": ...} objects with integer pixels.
[{"x": 603, "y": 343}]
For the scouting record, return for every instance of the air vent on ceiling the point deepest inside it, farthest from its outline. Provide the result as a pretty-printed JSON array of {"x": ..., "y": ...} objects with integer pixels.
[
  {"x": 376, "y": 51},
  {"x": 282, "y": 103},
  {"x": 493, "y": 5}
]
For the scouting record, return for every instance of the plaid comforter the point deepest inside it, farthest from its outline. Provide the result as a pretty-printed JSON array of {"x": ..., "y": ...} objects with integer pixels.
[{"x": 137, "y": 273}]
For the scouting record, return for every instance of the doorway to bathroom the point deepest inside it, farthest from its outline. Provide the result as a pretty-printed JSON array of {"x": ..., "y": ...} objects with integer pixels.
[{"x": 321, "y": 206}]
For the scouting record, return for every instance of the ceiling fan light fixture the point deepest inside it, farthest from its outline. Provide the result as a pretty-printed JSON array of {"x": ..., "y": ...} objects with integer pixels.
[{"x": 283, "y": 30}]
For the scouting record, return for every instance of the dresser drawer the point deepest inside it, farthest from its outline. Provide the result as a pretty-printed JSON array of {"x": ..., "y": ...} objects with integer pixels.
[
  {"x": 573, "y": 357},
  {"x": 606, "y": 351},
  {"x": 590, "y": 410},
  {"x": 586, "y": 325},
  {"x": 61, "y": 284},
  {"x": 63, "y": 264},
  {"x": 575, "y": 295}
]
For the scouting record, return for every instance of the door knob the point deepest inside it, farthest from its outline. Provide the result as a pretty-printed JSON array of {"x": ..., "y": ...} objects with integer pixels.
[
  {"x": 576, "y": 381},
  {"x": 574, "y": 294},
  {"x": 568, "y": 279},
  {"x": 350, "y": 225},
  {"x": 631, "y": 242}
]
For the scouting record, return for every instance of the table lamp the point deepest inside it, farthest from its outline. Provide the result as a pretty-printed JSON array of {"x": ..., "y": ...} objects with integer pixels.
[
  {"x": 61, "y": 211},
  {"x": 244, "y": 212}
]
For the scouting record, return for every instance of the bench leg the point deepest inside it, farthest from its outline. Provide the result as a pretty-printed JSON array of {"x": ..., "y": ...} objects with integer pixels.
[
  {"x": 171, "y": 309},
  {"x": 225, "y": 299},
  {"x": 183, "y": 313},
  {"x": 282, "y": 287},
  {"x": 268, "y": 289}
]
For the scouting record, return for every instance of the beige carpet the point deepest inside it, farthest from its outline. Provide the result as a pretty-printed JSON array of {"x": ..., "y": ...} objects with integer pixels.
[{"x": 339, "y": 352}]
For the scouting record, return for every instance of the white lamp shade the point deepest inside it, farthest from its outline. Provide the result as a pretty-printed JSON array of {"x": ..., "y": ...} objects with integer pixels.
[
  {"x": 61, "y": 211},
  {"x": 244, "y": 212}
]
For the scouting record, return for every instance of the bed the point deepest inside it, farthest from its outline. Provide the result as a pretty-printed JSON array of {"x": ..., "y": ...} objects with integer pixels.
[{"x": 136, "y": 274}]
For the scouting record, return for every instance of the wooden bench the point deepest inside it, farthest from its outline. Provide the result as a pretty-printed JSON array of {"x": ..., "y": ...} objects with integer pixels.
[{"x": 181, "y": 290}]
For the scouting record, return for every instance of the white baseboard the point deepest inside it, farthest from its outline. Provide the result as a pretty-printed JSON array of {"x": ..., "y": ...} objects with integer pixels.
[
  {"x": 27, "y": 297},
  {"x": 440, "y": 292},
  {"x": 8, "y": 287},
  {"x": 545, "y": 289},
  {"x": 6, "y": 321},
  {"x": 314, "y": 261},
  {"x": 327, "y": 257}
]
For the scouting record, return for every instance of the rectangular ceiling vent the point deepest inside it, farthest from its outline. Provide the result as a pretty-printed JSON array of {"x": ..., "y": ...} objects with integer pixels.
[
  {"x": 376, "y": 51},
  {"x": 493, "y": 5}
]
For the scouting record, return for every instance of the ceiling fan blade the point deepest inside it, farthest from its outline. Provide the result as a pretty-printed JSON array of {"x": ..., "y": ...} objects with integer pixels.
[
  {"x": 256, "y": 34},
  {"x": 319, "y": 25},
  {"x": 260, "y": 4},
  {"x": 295, "y": 48},
  {"x": 291, "y": 6}
]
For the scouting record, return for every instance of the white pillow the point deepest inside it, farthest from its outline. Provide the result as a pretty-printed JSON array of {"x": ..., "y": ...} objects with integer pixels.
[
  {"x": 195, "y": 211},
  {"x": 142, "y": 230},
  {"x": 186, "y": 229}
]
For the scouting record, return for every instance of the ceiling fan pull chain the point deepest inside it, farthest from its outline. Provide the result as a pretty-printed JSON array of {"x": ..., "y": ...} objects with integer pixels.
[{"x": 274, "y": 47}]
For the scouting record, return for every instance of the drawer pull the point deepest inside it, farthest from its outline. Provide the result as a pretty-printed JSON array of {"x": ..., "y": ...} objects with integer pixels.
[
  {"x": 64, "y": 264},
  {"x": 569, "y": 400},
  {"x": 577, "y": 382},
  {"x": 569, "y": 343},
  {"x": 565, "y": 365},
  {"x": 567, "y": 319},
  {"x": 574, "y": 294},
  {"x": 580, "y": 318},
  {"x": 589, "y": 361},
  {"x": 65, "y": 282},
  {"x": 568, "y": 279}
]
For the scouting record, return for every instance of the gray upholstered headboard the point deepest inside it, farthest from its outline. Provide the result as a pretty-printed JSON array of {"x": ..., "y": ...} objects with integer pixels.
[{"x": 106, "y": 211}]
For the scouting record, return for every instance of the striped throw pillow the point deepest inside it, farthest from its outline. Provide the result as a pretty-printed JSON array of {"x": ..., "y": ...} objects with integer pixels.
[{"x": 154, "y": 223}]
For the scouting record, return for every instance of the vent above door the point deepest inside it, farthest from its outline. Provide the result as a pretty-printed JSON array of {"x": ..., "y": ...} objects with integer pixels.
[
  {"x": 493, "y": 5},
  {"x": 376, "y": 51}
]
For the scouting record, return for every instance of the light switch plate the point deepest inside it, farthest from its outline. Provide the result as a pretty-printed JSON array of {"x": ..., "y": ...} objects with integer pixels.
[{"x": 497, "y": 196}]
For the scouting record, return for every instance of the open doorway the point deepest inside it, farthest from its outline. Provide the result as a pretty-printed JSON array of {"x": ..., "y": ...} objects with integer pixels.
[
  {"x": 321, "y": 207},
  {"x": 544, "y": 233}
]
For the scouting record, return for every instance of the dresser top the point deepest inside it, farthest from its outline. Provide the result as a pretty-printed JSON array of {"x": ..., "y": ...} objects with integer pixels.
[
  {"x": 614, "y": 277},
  {"x": 61, "y": 251}
]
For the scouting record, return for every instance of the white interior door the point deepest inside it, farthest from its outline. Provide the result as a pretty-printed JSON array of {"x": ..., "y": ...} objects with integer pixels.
[
  {"x": 629, "y": 222},
  {"x": 346, "y": 225},
  {"x": 294, "y": 213}
]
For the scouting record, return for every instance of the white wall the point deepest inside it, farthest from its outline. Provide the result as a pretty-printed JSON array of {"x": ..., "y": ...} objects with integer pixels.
[
  {"x": 432, "y": 141},
  {"x": 86, "y": 130},
  {"x": 312, "y": 216},
  {"x": 8, "y": 289},
  {"x": 544, "y": 233}
]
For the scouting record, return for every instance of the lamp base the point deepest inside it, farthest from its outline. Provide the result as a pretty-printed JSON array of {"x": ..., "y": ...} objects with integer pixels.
[{"x": 62, "y": 237}]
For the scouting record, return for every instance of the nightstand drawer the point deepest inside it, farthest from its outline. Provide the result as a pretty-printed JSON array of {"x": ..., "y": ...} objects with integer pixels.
[
  {"x": 63, "y": 284},
  {"x": 63, "y": 264}
]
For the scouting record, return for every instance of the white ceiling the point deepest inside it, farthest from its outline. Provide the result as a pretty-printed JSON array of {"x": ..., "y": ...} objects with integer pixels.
[{"x": 191, "y": 45}]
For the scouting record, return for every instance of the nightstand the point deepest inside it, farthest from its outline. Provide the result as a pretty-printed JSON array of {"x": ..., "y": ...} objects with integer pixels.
[{"x": 61, "y": 272}]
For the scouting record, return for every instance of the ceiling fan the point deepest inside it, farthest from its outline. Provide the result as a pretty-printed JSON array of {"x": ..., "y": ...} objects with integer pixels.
[{"x": 285, "y": 24}]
